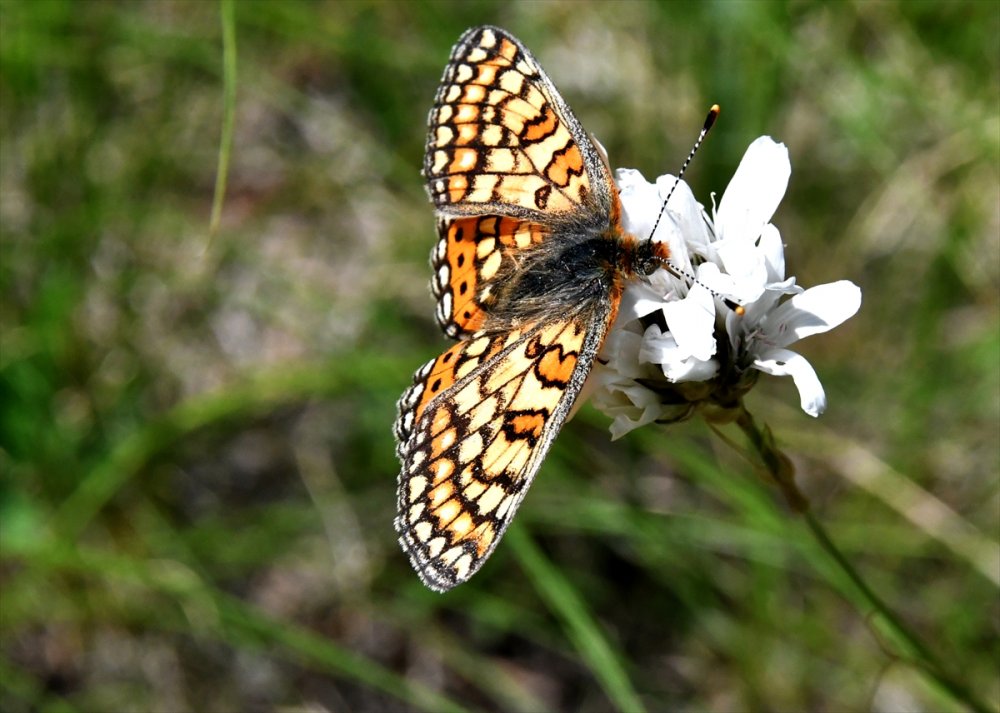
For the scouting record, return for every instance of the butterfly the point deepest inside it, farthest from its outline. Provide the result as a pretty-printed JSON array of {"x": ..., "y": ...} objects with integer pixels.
[{"x": 529, "y": 268}]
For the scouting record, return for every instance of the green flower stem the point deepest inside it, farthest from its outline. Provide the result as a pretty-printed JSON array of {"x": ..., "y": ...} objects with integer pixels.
[
  {"x": 780, "y": 468},
  {"x": 777, "y": 465}
]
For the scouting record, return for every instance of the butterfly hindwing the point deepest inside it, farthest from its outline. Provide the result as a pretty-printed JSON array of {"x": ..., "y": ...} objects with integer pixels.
[
  {"x": 437, "y": 376},
  {"x": 472, "y": 254}
]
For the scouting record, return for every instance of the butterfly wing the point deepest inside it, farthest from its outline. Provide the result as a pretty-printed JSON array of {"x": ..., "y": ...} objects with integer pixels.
[
  {"x": 471, "y": 256},
  {"x": 514, "y": 178},
  {"x": 506, "y": 160},
  {"x": 473, "y": 430}
]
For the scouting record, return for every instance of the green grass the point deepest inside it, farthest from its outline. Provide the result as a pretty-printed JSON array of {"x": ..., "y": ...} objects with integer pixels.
[{"x": 197, "y": 472}]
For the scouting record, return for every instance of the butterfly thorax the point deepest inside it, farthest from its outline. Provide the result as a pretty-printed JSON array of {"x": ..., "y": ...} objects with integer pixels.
[{"x": 581, "y": 270}]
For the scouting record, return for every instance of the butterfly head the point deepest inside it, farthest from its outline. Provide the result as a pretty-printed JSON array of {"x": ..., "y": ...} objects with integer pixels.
[{"x": 648, "y": 257}]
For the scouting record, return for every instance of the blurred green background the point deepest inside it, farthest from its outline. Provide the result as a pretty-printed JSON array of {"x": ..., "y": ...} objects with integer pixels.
[{"x": 198, "y": 478}]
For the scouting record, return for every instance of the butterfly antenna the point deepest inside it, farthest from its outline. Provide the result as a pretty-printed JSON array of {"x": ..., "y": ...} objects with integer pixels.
[{"x": 713, "y": 114}]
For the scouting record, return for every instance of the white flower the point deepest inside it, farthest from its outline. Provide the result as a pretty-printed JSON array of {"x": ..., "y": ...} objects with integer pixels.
[{"x": 677, "y": 344}]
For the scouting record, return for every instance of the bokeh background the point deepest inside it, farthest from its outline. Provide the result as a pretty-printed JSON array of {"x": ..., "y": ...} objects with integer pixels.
[{"x": 198, "y": 478}]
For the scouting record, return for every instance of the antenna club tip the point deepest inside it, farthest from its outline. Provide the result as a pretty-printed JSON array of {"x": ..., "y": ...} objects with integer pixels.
[
  {"x": 713, "y": 114},
  {"x": 736, "y": 307}
]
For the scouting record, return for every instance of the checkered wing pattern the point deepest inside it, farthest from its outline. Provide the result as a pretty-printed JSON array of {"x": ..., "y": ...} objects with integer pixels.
[{"x": 473, "y": 430}]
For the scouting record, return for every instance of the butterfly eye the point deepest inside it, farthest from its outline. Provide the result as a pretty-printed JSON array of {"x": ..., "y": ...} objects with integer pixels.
[
  {"x": 650, "y": 257},
  {"x": 647, "y": 266}
]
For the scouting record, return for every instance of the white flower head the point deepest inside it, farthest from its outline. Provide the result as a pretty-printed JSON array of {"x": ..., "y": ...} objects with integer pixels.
[{"x": 678, "y": 343}]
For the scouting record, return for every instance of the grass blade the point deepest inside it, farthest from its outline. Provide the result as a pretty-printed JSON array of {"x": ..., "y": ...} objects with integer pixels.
[{"x": 582, "y": 630}]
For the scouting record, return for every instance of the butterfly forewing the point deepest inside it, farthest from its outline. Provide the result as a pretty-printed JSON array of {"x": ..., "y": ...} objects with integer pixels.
[{"x": 502, "y": 140}]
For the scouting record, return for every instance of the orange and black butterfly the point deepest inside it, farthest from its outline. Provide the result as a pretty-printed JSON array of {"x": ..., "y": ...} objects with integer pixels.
[{"x": 528, "y": 274}]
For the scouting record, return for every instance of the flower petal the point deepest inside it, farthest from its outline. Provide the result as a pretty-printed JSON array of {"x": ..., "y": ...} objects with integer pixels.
[
  {"x": 690, "y": 369},
  {"x": 677, "y": 365},
  {"x": 640, "y": 201},
  {"x": 692, "y": 322},
  {"x": 715, "y": 280},
  {"x": 819, "y": 309},
  {"x": 758, "y": 311},
  {"x": 755, "y": 191},
  {"x": 657, "y": 346},
  {"x": 688, "y": 227},
  {"x": 744, "y": 263},
  {"x": 773, "y": 251},
  {"x": 629, "y": 404},
  {"x": 642, "y": 297},
  {"x": 621, "y": 353},
  {"x": 783, "y": 362}
]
